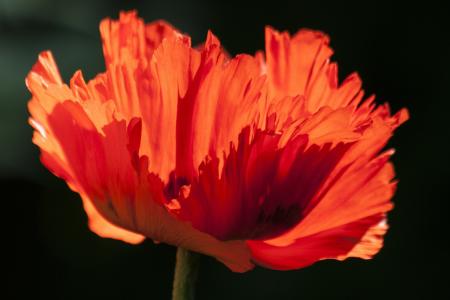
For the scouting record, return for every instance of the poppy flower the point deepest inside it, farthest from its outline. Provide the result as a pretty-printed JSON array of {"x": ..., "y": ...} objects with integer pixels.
[{"x": 254, "y": 159}]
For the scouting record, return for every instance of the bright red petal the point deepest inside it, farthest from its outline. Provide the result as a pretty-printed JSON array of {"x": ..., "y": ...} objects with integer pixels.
[
  {"x": 334, "y": 243},
  {"x": 262, "y": 189},
  {"x": 48, "y": 90},
  {"x": 190, "y": 147},
  {"x": 300, "y": 65},
  {"x": 293, "y": 63},
  {"x": 346, "y": 213},
  {"x": 223, "y": 96},
  {"x": 129, "y": 37},
  {"x": 101, "y": 161},
  {"x": 108, "y": 169}
]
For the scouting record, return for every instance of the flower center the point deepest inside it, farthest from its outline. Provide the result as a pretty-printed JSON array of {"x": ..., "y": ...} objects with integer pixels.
[{"x": 173, "y": 187}]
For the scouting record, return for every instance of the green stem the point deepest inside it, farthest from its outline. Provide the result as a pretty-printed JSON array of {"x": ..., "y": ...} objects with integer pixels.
[{"x": 186, "y": 271}]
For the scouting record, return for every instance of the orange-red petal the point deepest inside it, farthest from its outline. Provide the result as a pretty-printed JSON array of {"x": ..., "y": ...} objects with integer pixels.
[
  {"x": 262, "y": 188},
  {"x": 108, "y": 169},
  {"x": 48, "y": 90},
  {"x": 335, "y": 243},
  {"x": 103, "y": 164},
  {"x": 191, "y": 147},
  {"x": 343, "y": 221},
  {"x": 292, "y": 63}
]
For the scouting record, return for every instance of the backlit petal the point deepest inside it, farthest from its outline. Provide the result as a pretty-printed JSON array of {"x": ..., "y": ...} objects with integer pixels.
[
  {"x": 266, "y": 158},
  {"x": 107, "y": 168},
  {"x": 262, "y": 189}
]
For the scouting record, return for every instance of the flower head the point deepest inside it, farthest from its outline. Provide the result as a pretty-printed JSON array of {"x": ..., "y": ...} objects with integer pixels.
[{"x": 263, "y": 159}]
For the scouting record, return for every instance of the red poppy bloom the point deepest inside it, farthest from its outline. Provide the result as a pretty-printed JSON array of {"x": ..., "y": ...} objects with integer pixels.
[{"x": 263, "y": 159}]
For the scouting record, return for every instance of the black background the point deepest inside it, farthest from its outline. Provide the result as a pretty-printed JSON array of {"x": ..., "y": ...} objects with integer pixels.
[{"x": 400, "y": 50}]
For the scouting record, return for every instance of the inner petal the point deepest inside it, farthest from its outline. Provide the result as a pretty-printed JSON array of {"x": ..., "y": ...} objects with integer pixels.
[
  {"x": 174, "y": 186},
  {"x": 259, "y": 190}
]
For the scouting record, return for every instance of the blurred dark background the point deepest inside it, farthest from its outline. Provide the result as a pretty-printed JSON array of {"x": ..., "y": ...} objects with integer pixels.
[{"x": 401, "y": 51}]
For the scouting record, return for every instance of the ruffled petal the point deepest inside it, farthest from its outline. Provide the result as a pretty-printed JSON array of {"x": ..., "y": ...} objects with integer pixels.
[
  {"x": 107, "y": 168},
  {"x": 370, "y": 243},
  {"x": 336, "y": 243},
  {"x": 292, "y": 63},
  {"x": 48, "y": 90},
  {"x": 262, "y": 189},
  {"x": 223, "y": 96},
  {"x": 87, "y": 113},
  {"x": 336, "y": 220},
  {"x": 300, "y": 65},
  {"x": 344, "y": 220},
  {"x": 131, "y": 37},
  {"x": 143, "y": 85},
  {"x": 105, "y": 229},
  {"x": 191, "y": 147}
]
